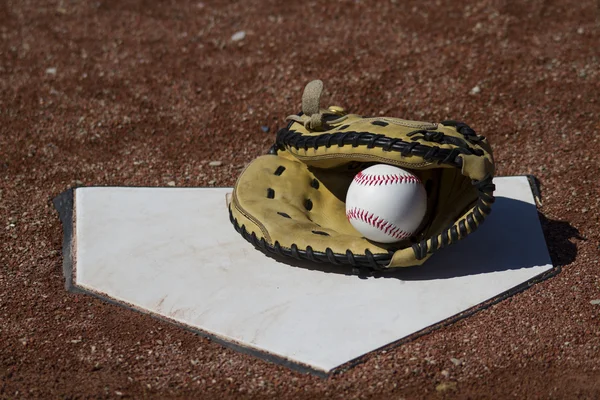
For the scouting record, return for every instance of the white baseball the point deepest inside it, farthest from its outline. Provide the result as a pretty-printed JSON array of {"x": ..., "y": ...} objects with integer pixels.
[{"x": 385, "y": 203}]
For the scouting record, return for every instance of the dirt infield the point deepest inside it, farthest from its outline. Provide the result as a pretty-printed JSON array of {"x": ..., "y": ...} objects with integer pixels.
[{"x": 134, "y": 92}]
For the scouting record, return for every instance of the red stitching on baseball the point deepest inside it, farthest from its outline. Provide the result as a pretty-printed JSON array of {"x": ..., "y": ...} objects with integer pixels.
[
  {"x": 374, "y": 180},
  {"x": 379, "y": 223}
]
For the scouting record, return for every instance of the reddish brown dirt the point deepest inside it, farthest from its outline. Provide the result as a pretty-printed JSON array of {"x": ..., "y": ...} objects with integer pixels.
[{"x": 147, "y": 93}]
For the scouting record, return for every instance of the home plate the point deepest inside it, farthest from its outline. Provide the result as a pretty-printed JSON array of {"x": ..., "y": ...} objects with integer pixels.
[{"x": 173, "y": 253}]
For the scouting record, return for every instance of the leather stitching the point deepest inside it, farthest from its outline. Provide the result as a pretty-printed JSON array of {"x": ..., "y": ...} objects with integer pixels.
[
  {"x": 385, "y": 226},
  {"x": 377, "y": 180}
]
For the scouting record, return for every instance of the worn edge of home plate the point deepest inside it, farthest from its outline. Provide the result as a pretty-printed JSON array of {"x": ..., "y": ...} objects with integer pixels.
[{"x": 64, "y": 205}]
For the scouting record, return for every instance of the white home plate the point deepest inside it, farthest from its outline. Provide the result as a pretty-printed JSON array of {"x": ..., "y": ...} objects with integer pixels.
[{"x": 173, "y": 252}]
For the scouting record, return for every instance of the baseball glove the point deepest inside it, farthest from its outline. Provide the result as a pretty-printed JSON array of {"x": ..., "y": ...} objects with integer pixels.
[{"x": 291, "y": 202}]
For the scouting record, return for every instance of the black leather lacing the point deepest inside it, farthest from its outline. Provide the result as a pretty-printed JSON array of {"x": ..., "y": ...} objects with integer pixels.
[
  {"x": 456, "y": 231},
  {"x": 379, "y": 261},
  {"x": 369, "y": 261},
  {"x": 291, "y": 138},
  {"x": 372, "y": 261},
  {"x": 439, "y": 137},
  {"x": 465, "y": 130}
]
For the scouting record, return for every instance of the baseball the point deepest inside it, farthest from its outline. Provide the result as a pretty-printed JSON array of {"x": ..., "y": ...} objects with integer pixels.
[{"x": 385, "y": 203}]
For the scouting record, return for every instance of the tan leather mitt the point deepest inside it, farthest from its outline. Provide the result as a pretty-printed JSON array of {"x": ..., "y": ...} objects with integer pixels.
[{"x": 291, "y": 202}]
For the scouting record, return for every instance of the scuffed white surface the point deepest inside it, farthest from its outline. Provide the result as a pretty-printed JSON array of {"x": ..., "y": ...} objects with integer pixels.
[{"x": 174, "y": 252}]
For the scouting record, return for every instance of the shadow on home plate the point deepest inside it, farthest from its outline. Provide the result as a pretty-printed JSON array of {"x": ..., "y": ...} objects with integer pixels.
[{"x": 510, "y": 238}]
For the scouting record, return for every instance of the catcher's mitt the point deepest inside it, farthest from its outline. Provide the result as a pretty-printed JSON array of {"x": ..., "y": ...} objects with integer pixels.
[{"x": 291, "y": 201}]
